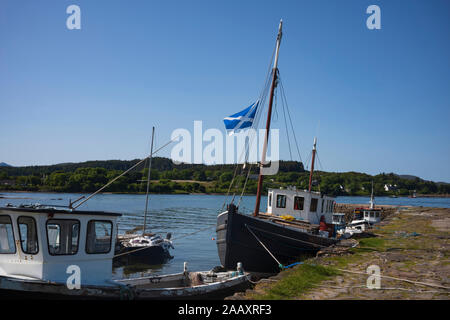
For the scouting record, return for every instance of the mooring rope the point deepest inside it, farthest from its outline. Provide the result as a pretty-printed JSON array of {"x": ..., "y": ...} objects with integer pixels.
[
  {"x": 399, "y": 279},
  {"x": 262, "y": 244}
]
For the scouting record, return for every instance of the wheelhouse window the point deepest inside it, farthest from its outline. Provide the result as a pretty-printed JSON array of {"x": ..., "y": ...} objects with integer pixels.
[
  {"x": 63, "y": 236},
  {"x": 7, "y": 243},
  {"x": 323, "y": 204},
  {"x": 372, "y": 214},
  {"x": 377, "y": 214},
  {"x": 99, "y": 235},
  {"x": 313, "y": 207},
  {"x": 270, "y": 199},
  {"x": 281, "y": 201},
  {"x": 28, "y": 235},
  {"x": 298, "y": 203}
]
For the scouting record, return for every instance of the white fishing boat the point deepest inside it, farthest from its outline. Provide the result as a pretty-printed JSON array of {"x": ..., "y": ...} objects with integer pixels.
[{"x": 48, "y": 252}]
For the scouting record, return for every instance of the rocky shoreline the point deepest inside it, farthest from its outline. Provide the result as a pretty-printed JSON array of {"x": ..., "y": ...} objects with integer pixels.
[{"x": 410, "y": 247}]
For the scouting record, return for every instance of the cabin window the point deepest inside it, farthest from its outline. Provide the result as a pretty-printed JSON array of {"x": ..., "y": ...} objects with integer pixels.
[
  {"x": 270, "y": 199},
  {"x": 372, "y": 214},
  {"x": 63, "y": 236},
  {"x": 366, "y": 214},
  {"x": 281, "y": 201},
  {"x": 7, "y": 243},
  {"x": 99, "y": 235},
  {"x": 323, "y": 202},
  {"x": 377, "y": 214},
  {"x": 313, "y": 207},
  {"x": 28, "y": 235},
  {"x": 298, "y": 203}
]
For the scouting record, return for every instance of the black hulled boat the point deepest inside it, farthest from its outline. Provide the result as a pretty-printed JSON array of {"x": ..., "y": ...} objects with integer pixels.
[{"x": 296, "y": 222}]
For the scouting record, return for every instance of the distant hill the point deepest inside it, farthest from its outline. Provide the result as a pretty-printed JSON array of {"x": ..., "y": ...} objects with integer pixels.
[
  {"x": 89, "y": 176},
  {"x": 408, "y": 177},
  {"x": 3, "y": 164},
  {"x": 159, "y": 163}
]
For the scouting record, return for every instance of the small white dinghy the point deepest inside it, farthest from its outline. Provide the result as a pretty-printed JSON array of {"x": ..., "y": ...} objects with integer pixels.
[
  {"x": 148, "y": 249},
  {"x": 67, "y": 254}
]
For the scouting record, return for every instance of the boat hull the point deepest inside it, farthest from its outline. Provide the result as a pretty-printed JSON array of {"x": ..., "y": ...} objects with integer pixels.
[
  {"x": 152, "y": 255},
  {"x": 241, "y": 238},
  {"x": 169, "y": 287}
]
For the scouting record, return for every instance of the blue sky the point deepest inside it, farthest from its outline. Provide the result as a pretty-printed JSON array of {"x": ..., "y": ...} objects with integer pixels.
[{"x": 378, "y": 100}]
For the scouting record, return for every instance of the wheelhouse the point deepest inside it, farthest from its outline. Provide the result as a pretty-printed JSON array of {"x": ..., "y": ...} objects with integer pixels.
[
  {"x": 372, "y": 216},
  {"x": 302, "y": 205},
  {"x": 41, "y": 243}
]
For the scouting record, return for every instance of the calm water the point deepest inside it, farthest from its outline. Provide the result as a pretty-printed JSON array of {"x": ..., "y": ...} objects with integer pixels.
[{"x": 181, "y": 215}]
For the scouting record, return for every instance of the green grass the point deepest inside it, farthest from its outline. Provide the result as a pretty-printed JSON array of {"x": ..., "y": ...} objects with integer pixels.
[
  {"x": 298, "y": 281},
  {"x": 372, "y": 243}
]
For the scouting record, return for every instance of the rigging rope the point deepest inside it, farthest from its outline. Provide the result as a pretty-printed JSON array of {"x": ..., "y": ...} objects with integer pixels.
[
  {"x": 287, "y": 130},
  {"x": 283, "y": 95},
  {"x": 124, "y": 173},
  {"x": 245, "y": 152}
]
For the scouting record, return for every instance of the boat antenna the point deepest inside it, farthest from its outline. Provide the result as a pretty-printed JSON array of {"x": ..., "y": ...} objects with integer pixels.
[
  {"x": 148, "y": 182},
  {"x": 312, "y": 164},
  {"x": 269, "y": 116}
]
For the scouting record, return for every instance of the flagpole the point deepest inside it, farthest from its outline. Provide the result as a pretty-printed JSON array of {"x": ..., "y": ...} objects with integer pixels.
[{"x": 269, "y": 117}]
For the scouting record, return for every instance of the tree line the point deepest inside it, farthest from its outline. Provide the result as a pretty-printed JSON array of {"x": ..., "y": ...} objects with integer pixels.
[{"x": 167, "y": 177}]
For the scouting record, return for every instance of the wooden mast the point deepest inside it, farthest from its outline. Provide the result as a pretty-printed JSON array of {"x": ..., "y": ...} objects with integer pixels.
[
  {"x": 269, "y": 117},
  {"x": 312, "y": 164}
]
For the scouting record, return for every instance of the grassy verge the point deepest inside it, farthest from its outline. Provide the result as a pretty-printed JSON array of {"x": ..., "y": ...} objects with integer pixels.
[
  {"x": 411, "y": 244},
  {"x": 297, "y": 281}
]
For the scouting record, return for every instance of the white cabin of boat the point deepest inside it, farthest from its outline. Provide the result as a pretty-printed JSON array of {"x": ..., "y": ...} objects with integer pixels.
[
  {"x": 302, "y": 205},
  {"x": 40, "y": 243}
]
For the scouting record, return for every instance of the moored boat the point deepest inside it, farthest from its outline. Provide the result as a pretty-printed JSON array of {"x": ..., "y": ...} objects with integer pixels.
[
  {"x": 296, "y": 222},
  {"x": 67, "y": 254},
  {"x": 144, "y": 248}
]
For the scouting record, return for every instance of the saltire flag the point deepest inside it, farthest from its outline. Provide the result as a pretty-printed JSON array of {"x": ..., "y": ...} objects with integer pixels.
[{"x": 241, "y": 120}]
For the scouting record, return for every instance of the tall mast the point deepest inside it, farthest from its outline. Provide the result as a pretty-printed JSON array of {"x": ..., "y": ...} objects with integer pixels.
[
  {"x": 312, "y": 164},
  {"x": 371, "y": 198},
  {"x": 148, "y": 182},
  {"x": 269, "y": 117}
]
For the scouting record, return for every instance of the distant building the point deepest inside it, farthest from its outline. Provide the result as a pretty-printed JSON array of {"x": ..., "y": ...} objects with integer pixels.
[
  {"x": 390, "y": 187},
  {"x": 7, "y": 182}
]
